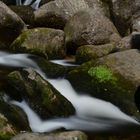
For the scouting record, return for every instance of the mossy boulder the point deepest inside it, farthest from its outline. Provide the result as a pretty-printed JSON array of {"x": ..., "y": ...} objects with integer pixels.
[
  {"x": 40, "y": 95},
  {"x": 26, "y": 13},
  {"x": 88, "y": 52},
  {"x": 69, "y": 135},
  {"x": 52, "y": 70},
  {"x": 114, "y": 78},
  {"x": 11, "y": 25},
  {"x": 46, "y": 42},
  {"x": 88, "y": 27}
]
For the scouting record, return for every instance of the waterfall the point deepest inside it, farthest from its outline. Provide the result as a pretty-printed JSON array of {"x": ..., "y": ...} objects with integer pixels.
[
  {"x": 92, "y": 114},
  {"x": 34, "y": 4}
]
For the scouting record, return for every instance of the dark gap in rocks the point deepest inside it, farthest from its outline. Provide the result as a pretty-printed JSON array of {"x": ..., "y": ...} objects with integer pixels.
[
  {"x": 137, "y": 98},
  {"x": 135, "y": 41}
]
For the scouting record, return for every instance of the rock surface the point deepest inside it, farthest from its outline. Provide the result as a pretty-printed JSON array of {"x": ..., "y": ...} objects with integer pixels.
[
  {"x": 56, "y": 13},
  {"x": 89, "y": 52},
  {"x": 46, "y": 42},
  {"x": 70, "y": 135},
  {"x": 114, "y": 78},
  {"x": 89, "y": 28},
  {"x": 26, "y": 13},
  {"x": 40, "y": 95},
  {"x": 11, "y": 25}
]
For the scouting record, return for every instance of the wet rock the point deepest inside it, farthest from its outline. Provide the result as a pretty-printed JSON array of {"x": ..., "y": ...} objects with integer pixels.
[
  {"x": 56, "y": 13},
  {"x": 40, "y": 95},
  {"x": 26, "y": 13},
  {"x": 51, "y": 69},
  {"x": 89, "y": 28},
  {"x": 114, "y": 78},
  {"x": 46, "y": 42},
  {"x": 11, "y": 25},
  {"x": 70, "y": 135},
  {"x": 15, "y": 116},
  {"x": 88, "y": 52}
]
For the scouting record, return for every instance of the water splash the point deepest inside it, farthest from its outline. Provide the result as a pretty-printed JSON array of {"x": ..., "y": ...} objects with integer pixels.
[{"x": 91, "y": 113}]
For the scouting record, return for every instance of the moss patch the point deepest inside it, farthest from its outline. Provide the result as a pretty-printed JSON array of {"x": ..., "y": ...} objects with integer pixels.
[{"x": 102, "y": 73}]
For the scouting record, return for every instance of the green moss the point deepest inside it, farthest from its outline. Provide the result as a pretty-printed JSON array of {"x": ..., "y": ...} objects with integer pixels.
[
  {"x": 102, "y": 73},
  {"x": 4, "y": 136}
]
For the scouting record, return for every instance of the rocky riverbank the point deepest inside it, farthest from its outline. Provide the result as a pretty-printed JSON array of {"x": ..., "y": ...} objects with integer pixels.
[{"x": 96, "y": 33}]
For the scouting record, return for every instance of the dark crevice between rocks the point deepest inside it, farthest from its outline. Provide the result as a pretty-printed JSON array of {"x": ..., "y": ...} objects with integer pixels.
[
  {"x": 135, "y": 41},
  {"x": 137, "y": 98}
]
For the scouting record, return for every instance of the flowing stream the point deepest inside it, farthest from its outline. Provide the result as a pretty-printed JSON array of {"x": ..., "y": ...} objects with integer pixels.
[
  {"x": 34, "y": 4},
  {"x": 92, "y": 114}
]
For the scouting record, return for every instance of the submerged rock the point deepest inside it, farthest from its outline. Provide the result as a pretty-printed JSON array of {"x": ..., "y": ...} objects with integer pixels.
[
  {"x": 46, "y": 42},
  {"x": 40, "y": 95},
  {"x": 11, "y": 25},
  {"x": 89, "y": 28},
  {"x": 69, "y": 135},
  {"x": 114, "y": 78},
  {"x": 88, "y": 52}
]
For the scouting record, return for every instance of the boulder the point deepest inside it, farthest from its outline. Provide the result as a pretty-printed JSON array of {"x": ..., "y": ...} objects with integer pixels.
[
  {"x": 121, "y": 12},
  {"x": 40, "y": 95},
  {"x": 11, "y": 25},
  {"x": 52, "y": 70},
  {"x": 56, "y": 13},
  {"x": 26, "y": 13},
  {"x": 14, "y": 115},
  {"x": 136, "y": 22},
  {"x": 89, "y": 28},
  {"x": 46, "y": 42},
  {"x": 114, "y": 78},
  {"x": 124, "y": 43},
  {"x": 88, "y": 52},
  {"x": 69, "y": 135}
]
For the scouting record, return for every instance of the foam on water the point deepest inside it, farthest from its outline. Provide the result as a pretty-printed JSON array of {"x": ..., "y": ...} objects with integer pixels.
[{"x": 91, "y": 113}]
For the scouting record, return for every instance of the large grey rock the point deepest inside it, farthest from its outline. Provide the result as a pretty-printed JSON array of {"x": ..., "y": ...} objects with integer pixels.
[
  {"x": 122, "y": 12},
  {"x": 46, "y": 42},
  {"x": 11, "y": 25},
  {"x": 114, "y": 78},
  {"x": 40, "y": 95},
  {"x": 89, "y": 28},
  {"x": 70, "y": 135},
  {"x": 56, "y": 13}
]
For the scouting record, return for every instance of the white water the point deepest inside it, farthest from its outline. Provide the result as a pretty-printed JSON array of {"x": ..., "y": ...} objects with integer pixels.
[
  {"x": 35, "y": 5},
  {"x": 64, "y": 62},
  {"x": 91, "y": 113}
]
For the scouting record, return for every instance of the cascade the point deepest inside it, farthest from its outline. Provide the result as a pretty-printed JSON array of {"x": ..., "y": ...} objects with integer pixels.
[{"x": 92, "y": 114}]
